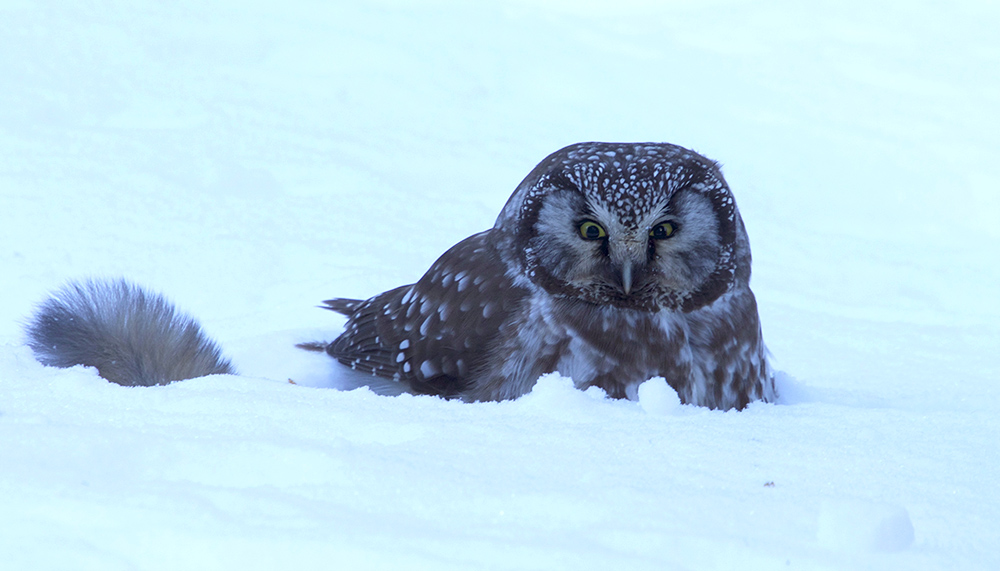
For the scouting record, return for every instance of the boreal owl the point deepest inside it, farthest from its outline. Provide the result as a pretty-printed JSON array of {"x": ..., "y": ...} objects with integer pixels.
[{"x": 611, "y": 263}]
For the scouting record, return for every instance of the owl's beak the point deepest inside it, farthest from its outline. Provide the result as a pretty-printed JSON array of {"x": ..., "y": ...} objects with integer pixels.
[
  {"x": 631, "y": 257},
  {"x": 627, "y": 277}
]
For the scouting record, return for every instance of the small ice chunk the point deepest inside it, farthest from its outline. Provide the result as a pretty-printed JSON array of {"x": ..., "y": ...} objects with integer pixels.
[
  {"x": 852, "y": 525},
  {"x": 657, "y": 397}
]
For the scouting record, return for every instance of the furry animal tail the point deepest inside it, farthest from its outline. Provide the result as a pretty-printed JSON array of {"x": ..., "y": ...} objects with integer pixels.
[{"x": 132, "y": 337}]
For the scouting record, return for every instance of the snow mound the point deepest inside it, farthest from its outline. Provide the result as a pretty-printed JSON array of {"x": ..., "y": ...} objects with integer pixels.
[
  {"x": 857, "y": 526},
  {"x": 555, "y": 395},
  {"x": 657, "y": 397}
]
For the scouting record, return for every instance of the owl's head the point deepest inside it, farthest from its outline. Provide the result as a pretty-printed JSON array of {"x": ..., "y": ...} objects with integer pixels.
[{"x": 642, "y": 226}]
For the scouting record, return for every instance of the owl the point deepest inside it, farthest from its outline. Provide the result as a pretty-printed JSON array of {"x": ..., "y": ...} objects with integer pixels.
[{"x": 610, "y": 264}]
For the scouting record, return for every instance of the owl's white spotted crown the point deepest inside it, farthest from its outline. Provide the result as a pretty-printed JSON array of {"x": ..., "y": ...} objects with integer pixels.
[
  {"x": 633, "y": 181},
  {"x": 631, "y": 178}
]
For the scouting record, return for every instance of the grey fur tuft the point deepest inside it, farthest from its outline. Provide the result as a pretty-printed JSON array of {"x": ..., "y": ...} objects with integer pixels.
[{"x": 132, "y": 337}]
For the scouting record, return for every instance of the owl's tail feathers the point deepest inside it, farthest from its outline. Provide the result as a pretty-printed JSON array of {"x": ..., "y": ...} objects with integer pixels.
[
  {"x": 132, "y": 337},
  {"x": 342, "y": 305},
  {"x": 317, "y": 346}
]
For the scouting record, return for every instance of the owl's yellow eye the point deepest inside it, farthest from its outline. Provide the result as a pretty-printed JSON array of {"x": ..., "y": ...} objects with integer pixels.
[
  {"x": 663, "y": 230},
  {"x": 590, "y": 230}
]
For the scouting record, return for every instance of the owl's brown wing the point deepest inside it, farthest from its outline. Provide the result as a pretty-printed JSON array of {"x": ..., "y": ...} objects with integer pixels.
[
  {"x": 436, "y": 334},
  {"x": 726, "y": 342}
]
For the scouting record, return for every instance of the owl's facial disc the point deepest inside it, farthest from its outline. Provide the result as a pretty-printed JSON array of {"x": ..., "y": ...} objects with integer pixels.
[{"x": 645, "y": 227}]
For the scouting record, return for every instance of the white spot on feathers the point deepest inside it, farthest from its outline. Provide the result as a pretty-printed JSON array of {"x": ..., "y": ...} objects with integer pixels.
[
  {"x": 489, "y": 309},
  {"x": 429, "y": 369},
  {"x": 409, "y": 296}
]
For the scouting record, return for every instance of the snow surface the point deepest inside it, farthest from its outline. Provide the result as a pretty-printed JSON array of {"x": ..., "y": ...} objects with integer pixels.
[{"x": 251, "y": 159}]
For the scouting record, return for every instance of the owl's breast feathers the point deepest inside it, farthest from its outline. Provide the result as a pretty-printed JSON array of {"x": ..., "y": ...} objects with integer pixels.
[{"x": 434, "y": 335}]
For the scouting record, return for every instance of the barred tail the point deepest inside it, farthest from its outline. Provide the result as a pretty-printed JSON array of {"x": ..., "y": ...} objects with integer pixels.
[{"x": 132, "y": 337}]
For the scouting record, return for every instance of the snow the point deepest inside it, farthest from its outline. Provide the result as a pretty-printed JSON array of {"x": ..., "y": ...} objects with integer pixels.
[
  {"x": 250, "y": 160},
  {"x": 657, "y": 397},
  {"x": 864, "y": 526}
]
